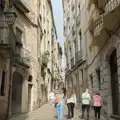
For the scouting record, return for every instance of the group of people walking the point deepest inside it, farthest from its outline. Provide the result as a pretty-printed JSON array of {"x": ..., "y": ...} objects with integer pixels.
[{"x": 62, "y": 96}]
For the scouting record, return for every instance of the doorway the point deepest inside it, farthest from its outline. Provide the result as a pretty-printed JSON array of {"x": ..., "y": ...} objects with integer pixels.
[
  {"x": 29, "y": 96},
  {"x": 16, "y": 93},
  {"x": 114, "y": 83}
]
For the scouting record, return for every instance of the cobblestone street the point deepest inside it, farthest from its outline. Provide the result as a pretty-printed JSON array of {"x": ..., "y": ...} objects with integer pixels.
[{"x": 46, "y": 112}]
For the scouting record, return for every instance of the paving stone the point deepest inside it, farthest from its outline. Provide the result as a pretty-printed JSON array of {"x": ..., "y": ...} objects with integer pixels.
[{"x": 47, "y": 112}]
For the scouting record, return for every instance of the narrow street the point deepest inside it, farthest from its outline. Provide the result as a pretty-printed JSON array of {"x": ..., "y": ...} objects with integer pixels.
[
  {"x": 62, "y": 51},
  {"x": 46, "y": 112}
]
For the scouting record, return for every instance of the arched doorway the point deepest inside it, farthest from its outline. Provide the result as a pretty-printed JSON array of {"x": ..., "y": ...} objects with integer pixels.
[
  {"x": 114, "y": 82},
  {"x": 16, "y": 93}
]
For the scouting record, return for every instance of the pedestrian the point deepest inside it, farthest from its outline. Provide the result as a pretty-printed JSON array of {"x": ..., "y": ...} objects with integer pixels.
[
  {"x": 60, "y": 104},
  {"x": 56, "y": 100},
  {"x": 71, "y": 102},
  {"x": 97, "y": 103},
  {"x": 86, "y": 98},
  {"x": 64, "y": 91},
  {"x": 51, "y": 98}
]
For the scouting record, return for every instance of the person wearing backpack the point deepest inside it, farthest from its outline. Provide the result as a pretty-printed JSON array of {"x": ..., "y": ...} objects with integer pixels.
[{"x": 97, "y": 103}]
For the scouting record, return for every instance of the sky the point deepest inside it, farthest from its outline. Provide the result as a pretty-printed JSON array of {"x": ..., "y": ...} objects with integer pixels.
[{"x": 58, "y": 17}]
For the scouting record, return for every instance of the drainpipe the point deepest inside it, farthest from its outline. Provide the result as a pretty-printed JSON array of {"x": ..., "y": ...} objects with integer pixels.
[
  {"x": 10, "y": 72},
  {"x": 12, "y": 50},
  {"x": 86, "y": 43},
  {"x": 10, "y": 87}
]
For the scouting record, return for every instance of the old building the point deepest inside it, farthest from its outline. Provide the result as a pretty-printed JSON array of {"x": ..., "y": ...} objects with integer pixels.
[
  {"x": 91, "y": 29},
  {"x": 75, "y": 45},
  {"x": 27, "y": 30},
  {"x": 51, "y": 56},
  {"x": 104, "y": 53}
]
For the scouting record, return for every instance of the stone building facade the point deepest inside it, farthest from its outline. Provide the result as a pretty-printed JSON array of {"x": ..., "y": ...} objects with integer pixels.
[
  {"x": 100, "y": 38},
  {"x": 50, "y": 51},
  {"x": 25, "y": 47},
  {"x": 103, "y": 53},
  {"x": 75, "y": 45}
]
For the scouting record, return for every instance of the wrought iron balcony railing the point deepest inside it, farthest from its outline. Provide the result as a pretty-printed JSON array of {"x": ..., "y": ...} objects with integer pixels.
[
  {"x": 100, "y": 3},
  {"x": 98, "y": 25},
  {"x": 7, "y": 38},
  {"x": 99, "y": 31},
  {"x": 23, "y": 58},
  {"x": 111, "y": 5},
  {"x": 45, "y": 58}
]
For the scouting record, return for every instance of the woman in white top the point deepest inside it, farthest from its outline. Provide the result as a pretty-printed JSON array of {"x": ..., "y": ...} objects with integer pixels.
[{"x": 71, "y": 101}]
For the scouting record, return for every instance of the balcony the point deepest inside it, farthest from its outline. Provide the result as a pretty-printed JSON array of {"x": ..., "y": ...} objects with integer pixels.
[
  {"x": 99, "y": 31},
  {"x": 45, "y": 58},
  {"x": 112, "y": 15},
  {"x": 72, "y": 62},
  {"x": 6, "y": 41},
  {"x": 21, "y": 5},
  {"x": 89, "y": 3},
  {"x": 100, "y": 3},
  {"x": 78, "y": 57},
  {"x": 22, "y": 58}
]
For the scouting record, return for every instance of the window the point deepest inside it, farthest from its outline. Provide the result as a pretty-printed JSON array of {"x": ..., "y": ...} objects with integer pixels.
[
  {"x": 73, "y": 7},
  {"x": 19, "y": 40},
  {"x": 80, "y": 40},
  {"x": 75, "y": 46},
  {"x": 48, "y": 45},
  {"x": 78, "y": 9},
  {"x": 2, "y": 3},
  {"x": 80, "y": 35},
  {"x": 91, "y": 80},
  {"x": 99, "y": 80},
  {"x": 19, "y": 34},
  {"x": 70, "y": 53},
  {"x": 30, "y": 78},
  {"x": 82, "y": 75},
  {"x": 2, "y": 84}
]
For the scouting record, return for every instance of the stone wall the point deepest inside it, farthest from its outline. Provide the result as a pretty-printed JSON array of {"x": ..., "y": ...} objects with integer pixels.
[{"x": 102, "y": 61}]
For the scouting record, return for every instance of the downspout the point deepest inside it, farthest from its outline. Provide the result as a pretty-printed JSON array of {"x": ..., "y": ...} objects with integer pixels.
[
  {"x": 12, "y": 48},
  {"x": 77, "y": 78},
  {"x": 10, "y": 87},
  {"x": 87, "y": 48}
]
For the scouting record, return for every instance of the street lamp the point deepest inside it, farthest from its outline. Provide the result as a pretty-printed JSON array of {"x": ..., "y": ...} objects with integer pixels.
[{"x": 10, "y": 16}]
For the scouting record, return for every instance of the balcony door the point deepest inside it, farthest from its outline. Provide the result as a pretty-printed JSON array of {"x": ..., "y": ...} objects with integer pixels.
[{"x": 114, "y": 83}]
